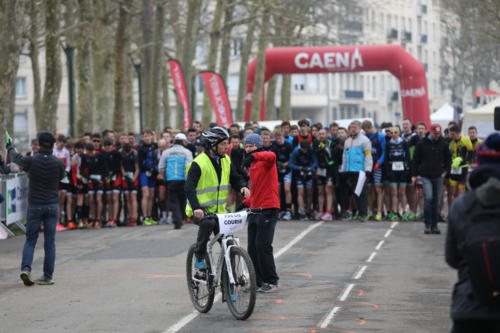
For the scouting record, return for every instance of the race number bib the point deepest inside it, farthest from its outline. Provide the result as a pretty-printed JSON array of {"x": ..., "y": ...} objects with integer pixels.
[
  {"x": 398, "y": 166},
  {"x": 321, "y": 172},
  {"x": 456, "y": 171},
  {"x": 129, "y": 175},
  {"x": 96, "y": 178},
  {"x": 65, "y": 180},
  {"x": 230, "y": 223}
]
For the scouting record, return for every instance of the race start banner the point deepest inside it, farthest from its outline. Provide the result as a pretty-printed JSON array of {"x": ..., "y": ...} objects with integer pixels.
[
  {"x": 180, "y": 87},
  {"x": 216, "y": 91}
]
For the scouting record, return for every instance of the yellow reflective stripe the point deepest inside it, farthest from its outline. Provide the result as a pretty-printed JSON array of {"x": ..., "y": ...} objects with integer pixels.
[
  {"x": 213, "y": 203},
  {"x": 206, "y": 190}
]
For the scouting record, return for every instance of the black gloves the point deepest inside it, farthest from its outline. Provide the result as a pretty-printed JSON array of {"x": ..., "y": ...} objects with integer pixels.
[{"x": 249, "y": 159}]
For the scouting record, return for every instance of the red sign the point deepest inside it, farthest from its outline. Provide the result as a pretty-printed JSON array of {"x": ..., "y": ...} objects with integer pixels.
[
  {"x": 216, "y": 91},
  {"x": 180, "y": 87}
]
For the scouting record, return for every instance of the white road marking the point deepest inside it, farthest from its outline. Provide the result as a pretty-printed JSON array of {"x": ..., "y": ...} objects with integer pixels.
[
  {"x": 371, "y": 256},
  {"x": 186, "y": 319},
  {"x": 329, "y": 317},
  {"x": 387, "y": 233},
  {"x": 297, "y": 239},
  {"x": 394, "y": 224},
  {"x": 346, "y": 292},
  {"x": 360, "y": 272},
  {"x": 379, "y": 245}
]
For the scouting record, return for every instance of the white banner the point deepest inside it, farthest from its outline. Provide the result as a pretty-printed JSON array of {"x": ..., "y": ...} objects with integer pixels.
[
  {"x": 232, "y": 222},
  {"x": 16, "y": 198}
]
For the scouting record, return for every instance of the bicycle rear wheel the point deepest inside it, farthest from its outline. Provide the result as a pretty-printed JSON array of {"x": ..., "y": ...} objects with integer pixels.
[
  {"x": 240, "y": 297},
  {"x": 200, "y": 284}
]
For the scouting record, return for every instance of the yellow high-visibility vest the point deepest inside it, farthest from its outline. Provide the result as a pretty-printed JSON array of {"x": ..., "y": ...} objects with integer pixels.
[{"x": 211, "y": 195}]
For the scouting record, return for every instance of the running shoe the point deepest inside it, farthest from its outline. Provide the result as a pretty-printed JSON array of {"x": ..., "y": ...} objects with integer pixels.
[
  {"x": 267, "y": 288},
  {"x": 163, "y": 220},
  {"x": 405, "y": 217},
  {"x": 60, "y": 227},
  {"x": 412, "y": 217},
  {"x": 132, "y": 223},
  {"x": 81, "y": 225},
  {"x": 199, "y": 263},
  {"x": 26, "y": 277},
  {"x": 327, "y": 217},
  {"x": 378, "y": 217},
  {"x": 147, "y": 221},
  {"x": 44, "y": 281},
  {"x": 287, "y": 216},
  {"x": 369, "y": 217},
  {"x": 111, "y": 224},
  {"x": 319, "y": 215},
  {"x": 71, "y": 225},
  {"x": 170, "y": 218},
  {"x": 97, "y": 224},
  {"x": 435, "y": 231}
]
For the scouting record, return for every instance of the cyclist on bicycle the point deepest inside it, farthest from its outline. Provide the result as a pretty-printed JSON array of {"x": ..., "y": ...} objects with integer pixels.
[{"x": 209, "y": 177}]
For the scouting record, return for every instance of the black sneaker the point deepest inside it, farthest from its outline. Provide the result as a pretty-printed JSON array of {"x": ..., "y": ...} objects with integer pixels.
[
  {"x": 267, "y": 288},
  {"x": 435, "y": 231},
  {"x": 427, "y": 230},
  {"x": 44, "y": 281},
  {"x": 26, "y": 277}
]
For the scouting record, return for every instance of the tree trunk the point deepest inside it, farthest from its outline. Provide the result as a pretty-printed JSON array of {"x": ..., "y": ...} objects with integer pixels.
[
  {"x": 286, "y": 82},
  {"x": 53, "y": 73},
  {"x": 35, "y": 64},
  {"x": 104, "y": 31},
  {"x": 188, "y": 52},
  {"x": 120, "y": 66},
  {"x": 166, "y": 97},
  {"x": 261, "y": 65},
  {"x": 156, "y": 69},
  {"x": 147, "y": 55},
  {"x": 225, "y": 47},
  {"x": 85, "y": 68},
  {"x": 207, "y": 112},
  {"x": 174, "y": 14},
  {"x": 129, "y": 112},
  {"x": 270, "y": 94},
  {"x": 245, "y": 56}
]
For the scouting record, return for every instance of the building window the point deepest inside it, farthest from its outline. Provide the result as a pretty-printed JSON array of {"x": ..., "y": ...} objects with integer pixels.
[
  {"x": 21, "y": 87},
  {"x": 312, "y": 82},
  {"x": 233, "y": 82},
  {"x": 298, "y": 82}
]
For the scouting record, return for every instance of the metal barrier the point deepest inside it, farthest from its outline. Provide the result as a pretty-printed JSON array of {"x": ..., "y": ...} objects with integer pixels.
[{"x": 14, "y": 187}]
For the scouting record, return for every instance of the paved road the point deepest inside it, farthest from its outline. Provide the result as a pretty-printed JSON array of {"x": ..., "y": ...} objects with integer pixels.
[{"x": 335, "y": 277}]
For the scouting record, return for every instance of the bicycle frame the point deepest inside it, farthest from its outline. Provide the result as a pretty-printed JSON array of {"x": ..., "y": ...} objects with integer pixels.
[{"x": 217, "y": 269}]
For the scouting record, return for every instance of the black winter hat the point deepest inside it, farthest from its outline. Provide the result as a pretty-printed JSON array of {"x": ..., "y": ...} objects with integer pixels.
[
  {"x": 46, "y": 138},
  {"x": 489, "y": 151}
]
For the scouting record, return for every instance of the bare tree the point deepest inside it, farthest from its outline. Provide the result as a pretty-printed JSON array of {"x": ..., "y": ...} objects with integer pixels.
[
  {"x": 147, "y": 53},
  {"x": 53, "y": 74},
  {"x": 245, "y": 56},
  {"x": 34, "y": 53},
  {"x": 120, "y": 65},
  {"x": 11, "y": 20},
  {"x": 85, "y": 68},
  {"x": 157, "y": 67},
  {"x": 213, "y": 50}
]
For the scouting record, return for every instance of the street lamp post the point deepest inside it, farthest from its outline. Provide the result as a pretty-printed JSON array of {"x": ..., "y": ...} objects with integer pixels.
[
  {"x": 138, "y": 70},
  {"x": 69, "y": 51}
]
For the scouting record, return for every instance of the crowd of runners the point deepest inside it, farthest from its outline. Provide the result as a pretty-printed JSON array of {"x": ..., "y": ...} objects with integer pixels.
[{"x": 115, "y": 179}]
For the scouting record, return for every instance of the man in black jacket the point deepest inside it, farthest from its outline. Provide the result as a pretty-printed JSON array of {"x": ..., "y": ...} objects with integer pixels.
[
  {"x": 431, "y": 161},
  {"x": 483, "y": 197},
  {"x": 44, "y": 172}
]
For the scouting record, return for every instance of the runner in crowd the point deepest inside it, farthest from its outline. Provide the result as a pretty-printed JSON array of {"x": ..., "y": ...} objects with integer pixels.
[{"x": 317, "y": 177}]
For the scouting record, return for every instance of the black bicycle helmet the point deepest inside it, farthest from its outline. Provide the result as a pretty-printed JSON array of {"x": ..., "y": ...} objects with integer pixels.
[{"x": 214, "y": 136}]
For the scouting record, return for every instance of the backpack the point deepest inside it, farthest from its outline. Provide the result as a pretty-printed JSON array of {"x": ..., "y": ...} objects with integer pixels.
[{"x": 482, "y": 253}]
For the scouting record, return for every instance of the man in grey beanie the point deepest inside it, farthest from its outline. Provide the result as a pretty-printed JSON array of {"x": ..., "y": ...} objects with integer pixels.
[{"x": 44, "y": 172}]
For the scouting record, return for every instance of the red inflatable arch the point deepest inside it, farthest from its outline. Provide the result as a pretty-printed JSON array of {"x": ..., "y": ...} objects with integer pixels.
[{"x": 342, "y": 59}]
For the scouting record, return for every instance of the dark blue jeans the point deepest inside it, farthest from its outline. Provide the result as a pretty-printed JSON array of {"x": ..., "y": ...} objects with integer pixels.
[
  {"x": 260, "y": 245},
  {"x": 432, "y": 195},
  {"x": 47, "y": 214}
]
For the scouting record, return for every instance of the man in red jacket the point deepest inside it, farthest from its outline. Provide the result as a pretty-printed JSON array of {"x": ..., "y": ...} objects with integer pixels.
[{"x": 264, "y": 193}]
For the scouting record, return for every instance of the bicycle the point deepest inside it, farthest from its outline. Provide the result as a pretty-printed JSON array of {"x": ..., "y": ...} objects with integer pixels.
[{"x": 234, "y": 269}]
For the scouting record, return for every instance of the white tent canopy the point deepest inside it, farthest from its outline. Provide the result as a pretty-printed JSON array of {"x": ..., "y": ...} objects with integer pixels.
[
  {"x": 482, "y": 118},
  {"x": 443, "y": 115}
]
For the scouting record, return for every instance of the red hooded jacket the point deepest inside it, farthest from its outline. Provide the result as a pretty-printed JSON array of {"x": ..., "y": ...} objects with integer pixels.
[{"x": 264, "y": 186}]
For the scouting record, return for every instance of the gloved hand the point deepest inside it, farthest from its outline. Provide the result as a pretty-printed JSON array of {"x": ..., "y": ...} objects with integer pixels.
[
  {"x": 108, "y": 179},
  {"x": 377, "y": 165},
  {"x": 456, "y": 162},
  {"x": 248, "y": 160},
  {"x": 9, "y": 142}
]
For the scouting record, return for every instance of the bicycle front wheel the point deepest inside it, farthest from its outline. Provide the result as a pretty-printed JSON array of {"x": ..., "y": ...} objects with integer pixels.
[
  {"x": 240, "y": 296},
  {"x": 200, "y": 285}
]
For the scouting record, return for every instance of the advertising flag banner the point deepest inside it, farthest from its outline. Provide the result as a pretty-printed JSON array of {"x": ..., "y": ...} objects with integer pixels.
[
  {"x": 180, "y": 87},
  {"x": 216, "y": 91}
]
